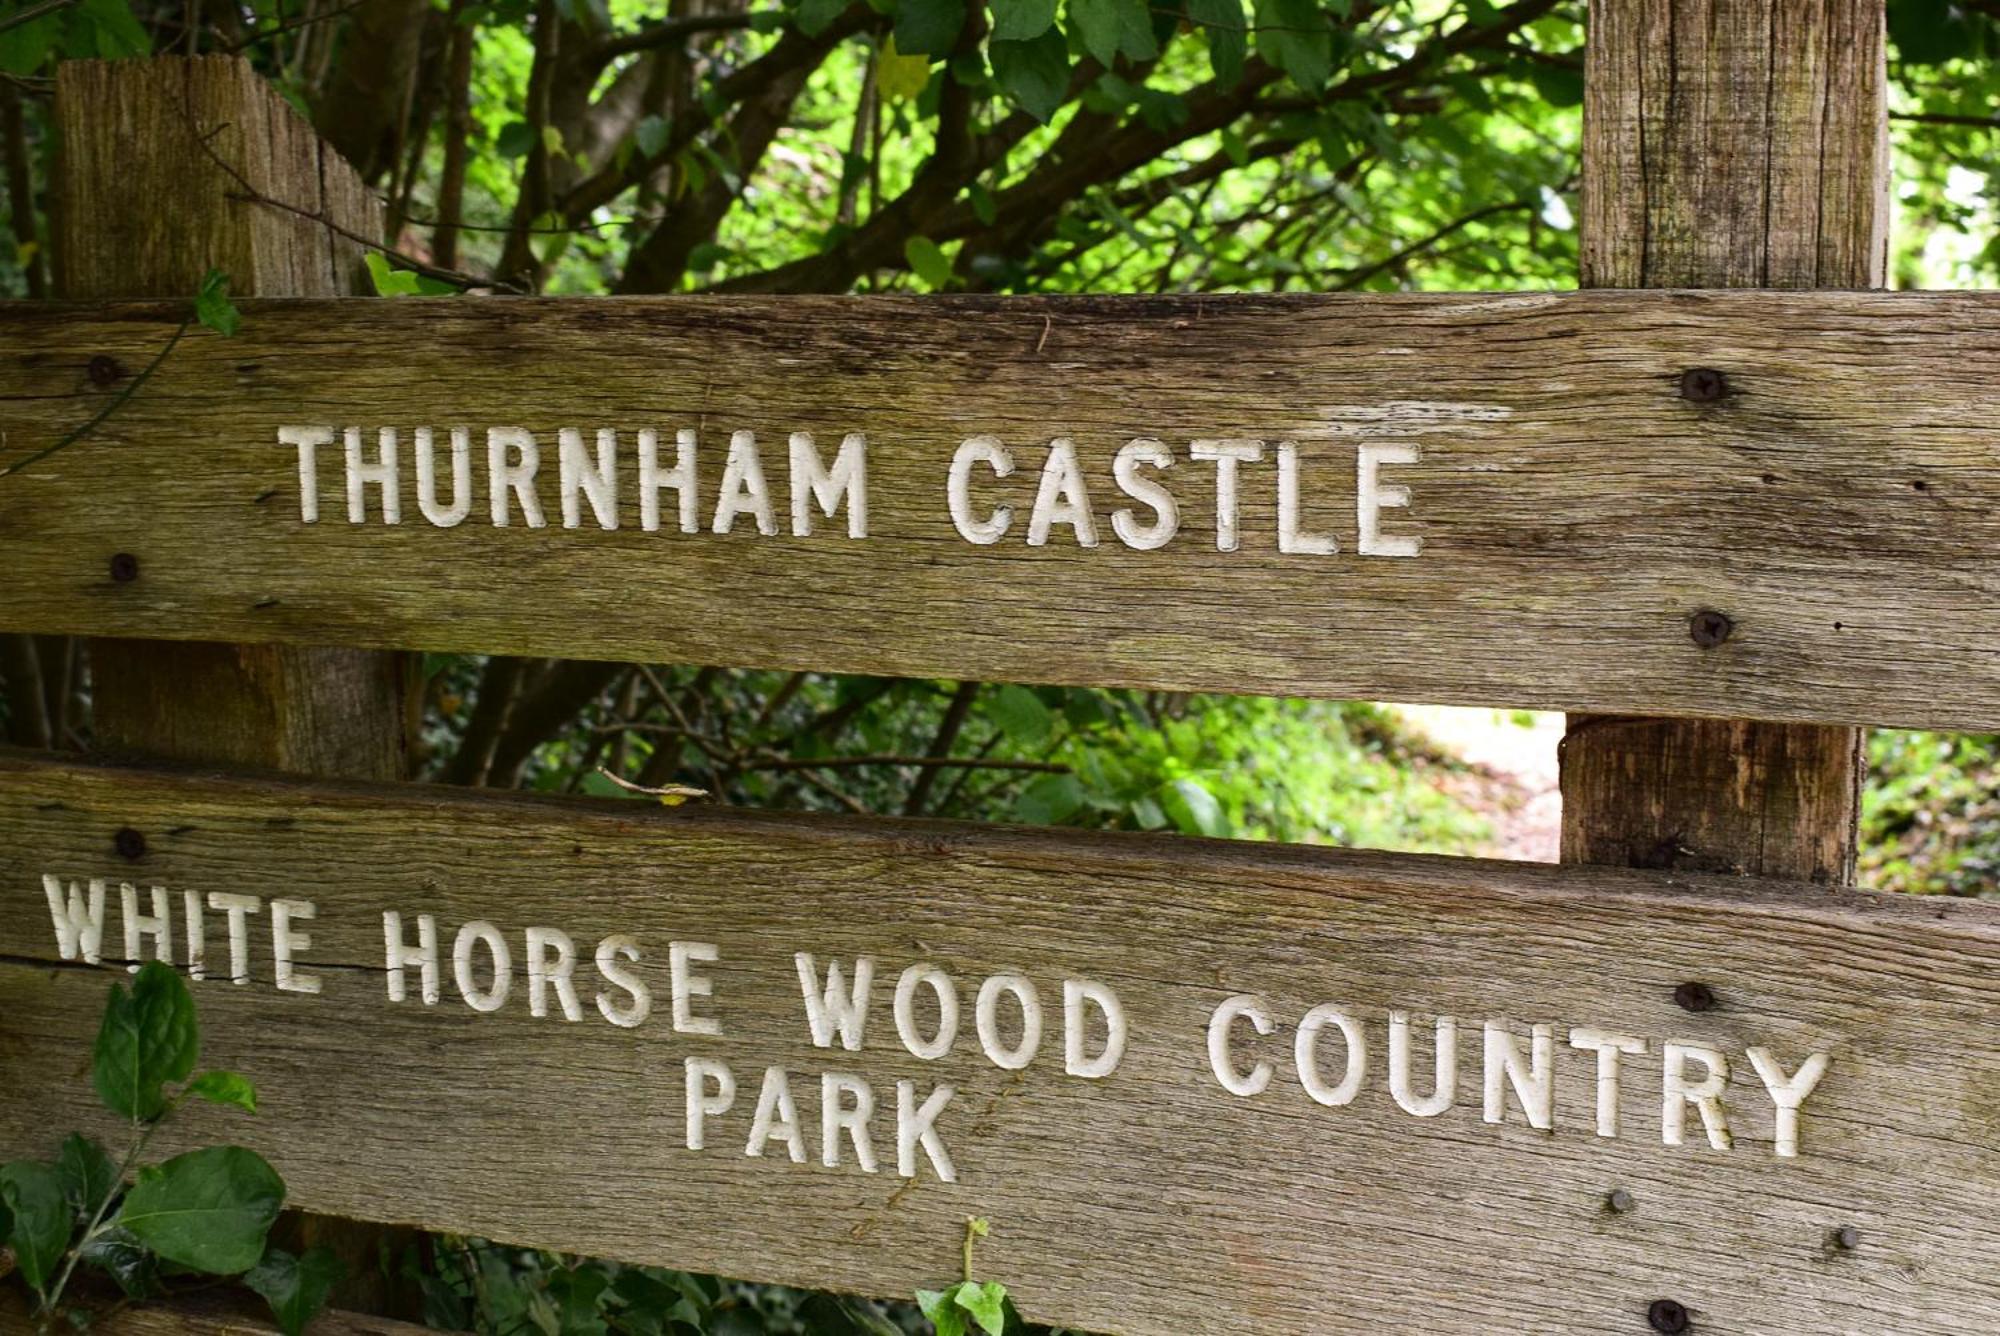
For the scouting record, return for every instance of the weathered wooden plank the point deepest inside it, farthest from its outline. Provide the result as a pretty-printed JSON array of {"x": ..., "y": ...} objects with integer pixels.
[
  {"x": 233, "y": 1314},
  {"x": 1839, "y": 503},
  {"x": 1149, "y": 1199},
  {"x": 1728, "y": 143}
]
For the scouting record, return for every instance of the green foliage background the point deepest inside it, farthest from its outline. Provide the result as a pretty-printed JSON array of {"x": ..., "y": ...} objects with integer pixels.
[{"x": 605, "y": 146}]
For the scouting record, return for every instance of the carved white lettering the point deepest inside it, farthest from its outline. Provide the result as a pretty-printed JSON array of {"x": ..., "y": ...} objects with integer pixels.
[
  {"x": 612, "y": 952},
  {"x": 986, "y": 1021},
  {"x": 1226, "y": 455},
  {"x": 551, "y": 959},
  {"x": 744, "y": 491},
  {"x": 985, "y": 450},
  {"x": 237, "y": 910},
  {"x": 1306, "y": 1053},
  {"x": 1221, "y": 1058},
  {"x": 1079, "y": 996},
  {"x": 307, "y": 440},
  {"x": 513, "y": 478},
  {"x": 1608, "y": 1048},
  {"x": 158, "y": 925},
  {"x": 777, "y": 1118},
  {"x": 1150, "y": 492},
  {"x": 1293, "y": 540},
  {"x": 1445, "y": 1093},
  {"x": 580, "y": 478},
  {"x": 382, "y": 473},
  {"x": 835, "y": 1006},
  {"x": 287, "y": 942},
  {"x": 688, "y": 985},
  {"x": 481, "y": 933},
  {"x": 1372, "y": 496},
  {"x": 653, "y": 480},
  {"x": 1677, "y": 1092},
  {"x": 916, "y": 1125},
  {"x": 1787, "y": 1093},
  {"x": 702, "y": 1073},
  {"x": 814, "y": 483},
  {"x": 1534, "y": 1082},
  {"x": 1062, "y": 498},
  {"x": 946, "y": 1035},
  {"x": 837, "y": 1114},
  {"x": 78, "y": 918},
  {"x": 424, "y": 955},
  {"x": 453, "y": 515}
]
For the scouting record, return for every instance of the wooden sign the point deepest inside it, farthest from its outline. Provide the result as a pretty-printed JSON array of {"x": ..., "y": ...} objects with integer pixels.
[
  {"x": 1315, "y": 1090},
  {"x": 1749, "y": 504}
]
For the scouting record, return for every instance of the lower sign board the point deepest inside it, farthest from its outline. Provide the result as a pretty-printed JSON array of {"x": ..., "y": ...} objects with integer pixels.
[{"x": 1193, "y": 1085}]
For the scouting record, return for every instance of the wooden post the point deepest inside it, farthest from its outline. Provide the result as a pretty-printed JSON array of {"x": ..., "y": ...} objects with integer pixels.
[
  {"x": 160, "y": 161},
  {"x": 1727, "y": 143},
  {"x": 157, "y": 159}
]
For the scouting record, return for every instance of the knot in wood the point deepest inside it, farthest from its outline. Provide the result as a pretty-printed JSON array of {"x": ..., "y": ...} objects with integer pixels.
[
  {"x": 104, "y": 370},
  {"x": 124, "y": 567},
  {"x": 129, "y": 843}
]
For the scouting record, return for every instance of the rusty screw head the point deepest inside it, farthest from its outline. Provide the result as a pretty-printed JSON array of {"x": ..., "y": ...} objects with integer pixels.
[
  {"x": 1703, "y": 385},
  {"x": 103, "y": 370},
  {"x": 1710, "y": 628},
  {"x": 1847, "y": 1238},
  {"x": 129, "y": 843},
  {"x": 1667, "y": 1316},
  {"x": 1693, "y": 996},
  {"x": 124, "y": 567},
  {"x": 1619, "y": 1200}
]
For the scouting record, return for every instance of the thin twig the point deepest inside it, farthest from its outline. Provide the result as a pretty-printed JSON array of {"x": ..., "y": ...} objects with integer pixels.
[
  {"x": 937, "y": 762},
  {"x": 292, "y": 25},
  {"x": 116, "y": 402},
  {"x": 33, "y": 12}
]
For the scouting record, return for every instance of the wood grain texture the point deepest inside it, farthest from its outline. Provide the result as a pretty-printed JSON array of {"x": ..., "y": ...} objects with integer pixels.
[
  {"x": 230, "y": 1314},
  {"x": 1149, "y": 1201},
  {"x": 1728, "y": 143},
  {"x": 158, "y": 157},
  {"x": 1841, "y": 504}
]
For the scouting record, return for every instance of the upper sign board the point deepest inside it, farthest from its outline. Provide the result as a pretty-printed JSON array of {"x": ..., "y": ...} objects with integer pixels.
[
  {"x": 1775, "y": 505},
  {"x": 1194, "y": 1086}
]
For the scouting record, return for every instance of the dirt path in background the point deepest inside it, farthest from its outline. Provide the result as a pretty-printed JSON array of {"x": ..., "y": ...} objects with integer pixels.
[{"x": 1511, "y": 776}]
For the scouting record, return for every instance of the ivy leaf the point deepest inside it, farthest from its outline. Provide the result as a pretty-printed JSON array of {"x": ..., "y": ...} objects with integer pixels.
[
  {"x": 1022, "y": 20},
  {"x": 928, "y": 261},
  {"x": 986, "y": 1302},
  {"x": 207, "y": 1210},
  {"x": 33, "y": 1193},
  {"x": 898, "y": 76},
  {"x": 1293, "y": 35},
  {"x": 1109, "y": 27},
  {"x": 1193, "y": 809},
  {"x": 225, "y": 1088},
  {"x": 944, "y": 1314},
  {"x": 295, "y": 1287},
  {"x": 212, "y": 306},
  {"x": 928, "y": 27},
  {"x": 391, "y": 282},
  {"x": 23, "y": 48},
  {"x": 1221, "y": 21},
  {"x": 1558, "y": 86},
  {"x": 1022, "y": 716},
  {"x": 514, "y": 140},
  {"x": 117, "y": 1252},
  {"x": 148, "y": 1037},
  {"x": 89, "y": 1175},
  {"x": 1035, "y": 74}
]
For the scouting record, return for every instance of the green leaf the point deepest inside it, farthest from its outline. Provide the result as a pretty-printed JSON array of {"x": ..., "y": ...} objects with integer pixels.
[
  {"x": 42, "y": 1221},
  {"x": 23, "y": 49},
  {"x": 1034, "y": 74},
  {"x": 928, "y": 261},
  {"x": 1050, "y": 800},
  {"x": 116, "y": 32},
  {"x": 120, "y": 1255},
  {"x": 212, "y": 306},
  {"x": 1109, "y": 27},
  {"x": 1221, "y": 21},
  {"x": 986, "y": 1302},
  {"x": 1558, "y": 86},
  {"x": 900, "y": 77},
  {"x": 1193, "y": 809},
  {"x": 89, "y": 1175},
  {"x": 651, "y": 135},
  {"x": 514, "y": 140},
  {"x": 225, "y": 1088},
  {"x": 207, "y": 1210},
  {"x": 945, "y": 1315},
  {"x": 928, "y": 27},
  {"x": 815, "y": 16},
  {"x": 1293, "y": 35},
  {"x": 295, "y": 1287},
  {"x": 390, "y": 282},
  {"x": 148, "y": 1037},
  {"x": 1021, "y": 715},
  {"x": 1021, "y": 20}
]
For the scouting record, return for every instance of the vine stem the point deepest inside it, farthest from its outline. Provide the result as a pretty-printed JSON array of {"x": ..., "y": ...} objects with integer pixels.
[{"x": 96, "y": 1225}]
